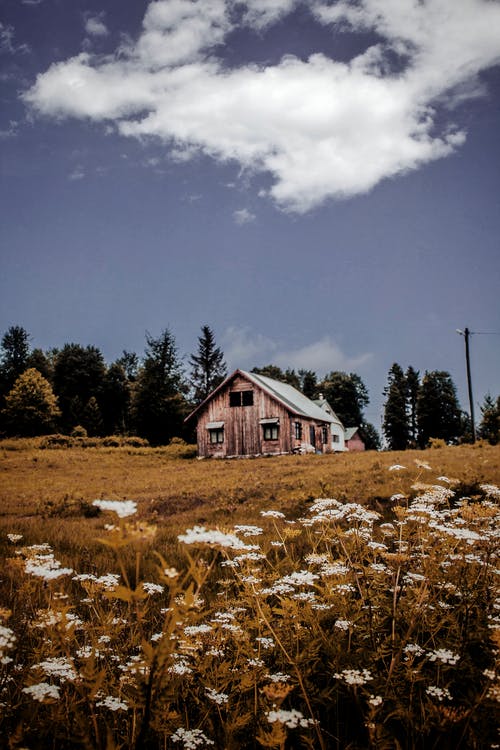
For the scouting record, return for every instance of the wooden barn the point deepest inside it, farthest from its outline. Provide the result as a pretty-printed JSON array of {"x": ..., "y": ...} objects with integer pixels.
[
  {"x": 353, "y": 440},
  {"x": 253, "y": 415}
]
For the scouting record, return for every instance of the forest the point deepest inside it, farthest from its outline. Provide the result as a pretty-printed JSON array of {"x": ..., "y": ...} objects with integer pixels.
[{"x": 72, "y": 390}]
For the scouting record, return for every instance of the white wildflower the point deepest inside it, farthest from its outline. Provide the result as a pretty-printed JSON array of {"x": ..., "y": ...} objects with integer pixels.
[
  {"x": 152, "y": 588},
  {"x": 354, "y": 676},
  {"x": 343, "y": 624},
  {"x": 114, "y": 704},
  {"x": 491, "y": 489},
  {"x": 122, "y": 508},
  {"x": 272, "y": 514},
  {"x": 170, "y": 572},
  {"x": 278, "y": 677},
  {"x": 191, "y": 738},
  {"x": 444, "y": 655},
  {"x": 58, "y": 666},
  {"x": 248, "y": 530},
  {"x": 42, "y": 691},
  {"x": 200, "y": 535},
  {"x": 375, "y": 700},
  {"x": 216, "y": 697},
  {"x": 439, "y": 693},
  {"x": 291, "y": 719},
  {"x": 7, "y": 641},
  {"x": 14, "y": 538},
  {"x": 266, "y": 643},
  {"x": 396, "y": 467},
  {"x": 192, "y": 630}
]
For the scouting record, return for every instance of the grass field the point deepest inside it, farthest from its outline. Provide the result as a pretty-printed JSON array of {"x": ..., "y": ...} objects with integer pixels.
[{"x": 337, "y": 601}]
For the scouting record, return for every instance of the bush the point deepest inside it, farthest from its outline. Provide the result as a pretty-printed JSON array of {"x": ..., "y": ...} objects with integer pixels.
[{"x": 79, "y": 431}]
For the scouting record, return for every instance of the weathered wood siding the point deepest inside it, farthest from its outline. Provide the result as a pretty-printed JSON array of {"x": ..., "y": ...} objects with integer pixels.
[{"x": 243, "y": 430}]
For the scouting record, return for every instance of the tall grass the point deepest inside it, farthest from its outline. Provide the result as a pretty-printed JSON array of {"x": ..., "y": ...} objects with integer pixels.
[{"x": 332, "y": 625}]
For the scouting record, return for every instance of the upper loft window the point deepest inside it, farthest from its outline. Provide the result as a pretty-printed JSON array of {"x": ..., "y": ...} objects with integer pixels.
[{"x": 241, "y": 398}]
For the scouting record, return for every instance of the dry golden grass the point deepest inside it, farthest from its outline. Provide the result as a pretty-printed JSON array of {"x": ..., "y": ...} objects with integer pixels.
[{"x": 42, "y": 485}]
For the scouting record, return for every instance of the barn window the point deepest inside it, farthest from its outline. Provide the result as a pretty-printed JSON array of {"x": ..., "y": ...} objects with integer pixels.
[
  {"x": 215, "y": 432},
  {"x": 335, "y": 438},
  {"x": 270, "y": 428},
  {"x": 241, "y": 398},
  {"x": 298, "y": 430}
]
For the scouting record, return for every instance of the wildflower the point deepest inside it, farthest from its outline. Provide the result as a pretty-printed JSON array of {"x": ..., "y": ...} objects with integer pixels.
[
  {"x": 255, "y": 663},
  {"x": 152, "y": 588},
  {"x": 7, "y": 641},
  {"x": 423, "y": 465},
  {"x": 489, "y": 673},
  {"x": 114, "y": 704},
  {"x": 291, "y": 719},
  {"x": 42, "y": 691},
  {"x": 354, "y": 676},
  {"x": 299, "y": 578},
  {"x": 46, "y": 567},
  {"x": 342, "y": 624},
  {"x": 266, "y": 643},
  {"x": 396, "y": 467},
  {"x": 216, "y": 697},
  {"x": 248, "y": 530},
  {"x": 272, "y": 514},
  {"x": 491, "y": 489},
  {"x": 191, "y": 738},
  {"x": 278, "y": 677},
  {"x": 375, "y": 700},
  {"x": 14, "y": 538},
  {"x": 197, "y": 629},
  {"x": 444, "y": 655},
  {"x": 58, "y": 666},
  {"x": 200, "y": 535},
  {"x": 439, "y": 693},
  {"x": 170, "y": 572},
  {"x": 122, "y": 508}
]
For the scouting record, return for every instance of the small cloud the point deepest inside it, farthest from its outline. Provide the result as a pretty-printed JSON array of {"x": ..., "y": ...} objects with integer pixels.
[
  {"x": 11, "y": 131},
  {"x": 243, "y": 216},
  {"x": 77, "y": 174},
  {"x": 244, "y": 348},
  {"x": 95, "y": 26},
  {"x": 7, "y": 45},
  {"x": 31, "y": 2}
]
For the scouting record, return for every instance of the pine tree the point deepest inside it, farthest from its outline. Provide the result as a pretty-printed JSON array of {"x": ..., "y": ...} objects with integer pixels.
[
  {"x": 438, "y": 411},
  {"x": 31, "y": 406},
  {"x": 158, "y": 403},
  {"x": 78, "y": 375},
  {"x": 208, "y": 366},
  {"x": 395, "y": 425},
  {"x": 14, "y": 355},
  {"x": 347, "y": 395},
  {"x": 489, "y": 428}
]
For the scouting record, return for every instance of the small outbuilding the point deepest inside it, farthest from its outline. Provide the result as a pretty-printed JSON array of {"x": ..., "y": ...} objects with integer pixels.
[
  {"x": 353, "y": 440},
  {"x": 252, "y": 415}
]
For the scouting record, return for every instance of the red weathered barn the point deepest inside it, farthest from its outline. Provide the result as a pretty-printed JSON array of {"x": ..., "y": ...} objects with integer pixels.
[{"x": 252, "y": 415}]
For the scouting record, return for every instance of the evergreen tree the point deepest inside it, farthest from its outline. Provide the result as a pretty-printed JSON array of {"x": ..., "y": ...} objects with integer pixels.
[
  {"x": 115, "y": 401},
  {"x": 438, "y": 410},
  {"x": 208, "y": 366},
  {"x": 31, "y": 406},
  {"x": 41, "y": 362},
  {"x": 276, "y": 373},
  {"x": 412, "y": 391},
  {"x": 370, "y": 436},
  {"x": 347, "y": 395},
  {"x": 395, "y": 425},
  {"x": 489, "y": 427},
  {"x": 129, "y": 361},
  {"x": 308, "y": 383},
  {"x": 79, "y": 374},
  {"x": 158, "y": 403},
  {"x": 15, "y": 349},
  {"x": 92, "y": 419}
]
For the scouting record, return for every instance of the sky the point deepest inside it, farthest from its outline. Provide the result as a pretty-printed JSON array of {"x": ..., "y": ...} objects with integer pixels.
[{"x": 319, "y": 181}]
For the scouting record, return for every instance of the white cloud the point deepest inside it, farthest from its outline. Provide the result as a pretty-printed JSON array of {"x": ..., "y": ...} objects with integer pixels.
[
  {"x": 78, "y": 173},
  {"x": 244, "y": 348},
  {"x": 320, "y": 128},
  {"x": 243, "y": 216},
  {"x": 7, "y": 44},
  {"x": 321, "y": 356},
  {"x": 95, "y": 26}
]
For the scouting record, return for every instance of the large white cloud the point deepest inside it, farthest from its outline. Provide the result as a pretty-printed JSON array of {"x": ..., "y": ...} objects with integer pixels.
[{"x": 321, "y": 128}]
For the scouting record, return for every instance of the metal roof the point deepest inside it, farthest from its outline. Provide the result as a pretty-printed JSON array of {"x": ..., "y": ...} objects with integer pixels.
[
  {"x": 323, "y": 404},
  {"x": 290, "y": 397},
  {"x": 350, "y": 431}
]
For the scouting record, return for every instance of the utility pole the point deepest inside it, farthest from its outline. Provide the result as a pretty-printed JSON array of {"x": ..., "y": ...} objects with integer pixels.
[{"x": 466, "y": 333}]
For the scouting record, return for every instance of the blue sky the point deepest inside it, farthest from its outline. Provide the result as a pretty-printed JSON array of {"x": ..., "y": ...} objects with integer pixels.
[{"x": 319, "y": 182}]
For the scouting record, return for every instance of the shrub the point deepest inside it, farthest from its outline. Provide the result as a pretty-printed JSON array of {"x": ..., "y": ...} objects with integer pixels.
[{"x": 79, "y": 432}]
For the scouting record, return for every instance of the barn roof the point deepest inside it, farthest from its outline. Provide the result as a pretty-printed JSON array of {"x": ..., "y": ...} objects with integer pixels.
[
  {"x": 323, "y": 404},
  {"x": 289, "y": 397},
  {"x": 350, "y": 432}
]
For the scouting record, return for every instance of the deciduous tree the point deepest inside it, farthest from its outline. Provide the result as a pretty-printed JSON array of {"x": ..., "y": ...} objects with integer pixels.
[
  {"x": 78, "y": 375},
  {"x": 347, "y": 395},
  {"x": 31, "y": 406}
]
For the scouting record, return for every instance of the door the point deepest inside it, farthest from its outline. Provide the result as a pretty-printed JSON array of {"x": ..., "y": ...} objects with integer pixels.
[{"x": 312, "y": 436}]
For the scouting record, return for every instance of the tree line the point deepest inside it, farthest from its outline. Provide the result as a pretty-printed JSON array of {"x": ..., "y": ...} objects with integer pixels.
[
  {"x": 418, "y": 410},
  {"x": 74, "y": 391}
]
